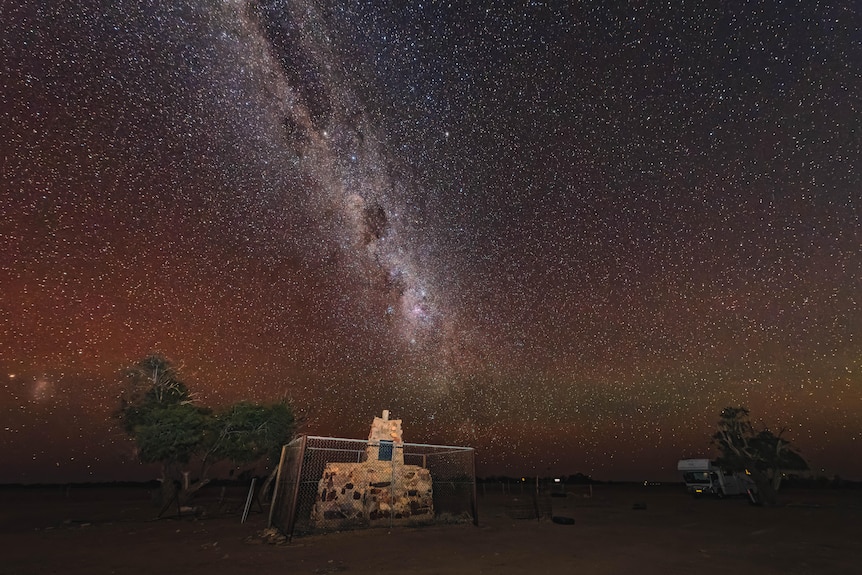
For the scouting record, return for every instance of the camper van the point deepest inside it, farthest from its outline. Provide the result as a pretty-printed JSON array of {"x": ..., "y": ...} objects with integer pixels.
[{"x": 702, "y": 477}]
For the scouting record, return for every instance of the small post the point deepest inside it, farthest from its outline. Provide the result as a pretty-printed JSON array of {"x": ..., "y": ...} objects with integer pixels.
[
  {"x": 474, "y": 500},
  {"x": 248, "y": 500}
]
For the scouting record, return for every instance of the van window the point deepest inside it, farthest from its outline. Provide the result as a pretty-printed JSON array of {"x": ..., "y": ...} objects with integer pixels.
[{"x": 696, "y": 477}]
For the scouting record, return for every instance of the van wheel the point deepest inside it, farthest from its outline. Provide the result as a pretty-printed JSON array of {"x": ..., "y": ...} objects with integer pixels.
[{"x": 720, "y": 493}]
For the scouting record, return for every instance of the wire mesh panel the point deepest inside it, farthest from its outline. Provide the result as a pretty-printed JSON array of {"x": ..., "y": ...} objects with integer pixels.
[{"x": 328, "y": 484}]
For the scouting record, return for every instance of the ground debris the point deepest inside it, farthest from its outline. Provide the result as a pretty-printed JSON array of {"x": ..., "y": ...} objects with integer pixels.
[{"x": 270, "y": 535}]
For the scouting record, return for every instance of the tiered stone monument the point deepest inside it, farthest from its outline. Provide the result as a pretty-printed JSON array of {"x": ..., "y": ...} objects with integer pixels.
[{"x": 381, "y": 489}]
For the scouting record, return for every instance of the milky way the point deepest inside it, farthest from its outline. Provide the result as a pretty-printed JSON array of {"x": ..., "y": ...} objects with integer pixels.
[{"x": 565, "y": 234}]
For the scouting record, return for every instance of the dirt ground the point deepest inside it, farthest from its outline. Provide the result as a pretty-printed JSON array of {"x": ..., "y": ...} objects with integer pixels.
[{"x": 621, "y": 529}]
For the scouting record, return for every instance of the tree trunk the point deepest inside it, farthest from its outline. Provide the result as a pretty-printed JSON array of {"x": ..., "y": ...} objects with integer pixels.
[
  {"x": 189, "y": 492},
  {"x": 776, "y": 479},
  {"x": 765, "y": 492},
  {"x": 168, "y": 488}
]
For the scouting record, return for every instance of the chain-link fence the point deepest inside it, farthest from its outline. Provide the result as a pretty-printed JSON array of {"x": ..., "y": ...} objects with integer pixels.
[{"x": 330, "y": 483}]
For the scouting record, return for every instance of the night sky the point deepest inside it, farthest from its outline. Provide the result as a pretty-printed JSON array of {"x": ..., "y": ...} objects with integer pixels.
[{"x": 565, "y": 233}]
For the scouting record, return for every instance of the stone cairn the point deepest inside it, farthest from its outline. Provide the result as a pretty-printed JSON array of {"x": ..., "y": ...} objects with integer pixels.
[{"x": 381, "y": 489}]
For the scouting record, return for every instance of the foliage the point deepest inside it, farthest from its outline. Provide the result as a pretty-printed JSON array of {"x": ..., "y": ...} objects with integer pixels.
[
  {"x": 246, "y": 432},
  {"x": 171, "y": 434},
  {"x": 152, "y": 383},
  {"x": 766, "y": 455}
]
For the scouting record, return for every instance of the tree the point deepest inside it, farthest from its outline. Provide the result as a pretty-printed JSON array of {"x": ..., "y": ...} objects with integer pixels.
[
  {"x": 761, "y": 452},
  {"x": 159, "y": 413}
]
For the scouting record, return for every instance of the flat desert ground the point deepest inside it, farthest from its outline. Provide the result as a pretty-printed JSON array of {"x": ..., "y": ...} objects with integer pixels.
[{"x": 621, "y": 529}]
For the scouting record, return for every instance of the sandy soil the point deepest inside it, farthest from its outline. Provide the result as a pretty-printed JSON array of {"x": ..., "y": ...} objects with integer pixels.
[{"x": 622, "y": 529}]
